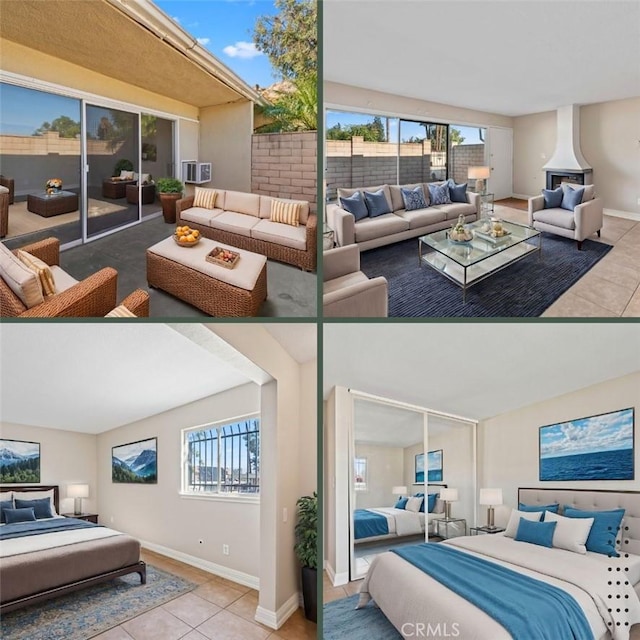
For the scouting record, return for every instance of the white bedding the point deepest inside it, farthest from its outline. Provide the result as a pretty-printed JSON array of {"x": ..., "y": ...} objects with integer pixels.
[
  {"x": 408, "y": 596},
  {"x": 400, "y": 521}
]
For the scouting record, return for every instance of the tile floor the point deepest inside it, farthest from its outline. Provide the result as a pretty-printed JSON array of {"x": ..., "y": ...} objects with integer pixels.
[
  {"x": 611, "y": 288},
  {"x": 331, "y": 593},
  {"x": 217, "y": 609}
]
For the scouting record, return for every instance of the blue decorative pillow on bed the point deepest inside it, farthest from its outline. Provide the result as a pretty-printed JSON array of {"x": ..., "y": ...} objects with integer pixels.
[
  {"x": 355, "y": 205},
  {"x": 457, "y": 192},
  {"x": 535, "y": 508},
  {"x": 5, "y": 504},
  {"x": 602, "y": 537},
  {"x": 19, "y": 515},
  {"x": 439, "y": 193},
  {"x": 431, "y": 505},
  {"x": 540, "y": 533},
  {"x": 41, "y": 507},
  {"x": 401, "y": 504}
]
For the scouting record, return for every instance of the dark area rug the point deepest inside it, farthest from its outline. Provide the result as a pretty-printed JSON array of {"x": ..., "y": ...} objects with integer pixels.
[
  {"x": 524, "y": 289},
  {"x": 342, "y": 620},
  {"x": 91, "y": 611}
]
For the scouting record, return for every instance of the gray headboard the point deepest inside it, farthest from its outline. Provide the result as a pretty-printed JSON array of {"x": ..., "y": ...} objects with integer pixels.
[{"x": 594, "y": 500}]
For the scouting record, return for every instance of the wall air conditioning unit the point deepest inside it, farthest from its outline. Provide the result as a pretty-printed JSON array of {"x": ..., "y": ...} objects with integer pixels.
[{"x": 195, "y": 172}]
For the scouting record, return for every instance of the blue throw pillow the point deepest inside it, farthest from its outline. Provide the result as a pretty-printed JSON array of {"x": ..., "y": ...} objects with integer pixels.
[
  {"x": 457, "y": 192},
  {"x": 19, "y": 515},
  {"x": 355, "y": 206},
  {"x": 413, "y": 198},
  {"x": 401, "y": 504},
  {"x": 602, "y": 537},
  {"x": 439, "y": 193},
  {"x": 571, "y": 198},
  {"x": 5, "y": 504},
  {"x": 41, "y": 507},
  {"x": 540, "y": 533},
  {"x": 535, "y": 509},
  {"x": 376, "y": 203},
  {"x": 432, "y": 501},
  {"x": 552, "y": 198}
]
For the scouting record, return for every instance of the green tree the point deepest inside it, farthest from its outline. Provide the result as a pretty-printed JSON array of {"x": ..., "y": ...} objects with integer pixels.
[
  {"x": 289, "y": 39},
  {"x": 295, "y": 111},
  {"x": 455, "y": 136},
  {"x": 371, "y": 131},
  {"x": 64, "y": 125}
]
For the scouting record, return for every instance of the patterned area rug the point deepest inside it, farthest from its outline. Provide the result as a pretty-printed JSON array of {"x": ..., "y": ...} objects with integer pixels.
[
  {"x": 91, "y": 611},
  {"x": 524, "y": 289},
  {"x": 341, "y": 620}
]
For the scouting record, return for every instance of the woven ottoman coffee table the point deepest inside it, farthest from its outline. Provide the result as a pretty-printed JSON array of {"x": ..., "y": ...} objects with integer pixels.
[
  {"x": 48, "y": 205},
  {"x": 185, "y": 273}
]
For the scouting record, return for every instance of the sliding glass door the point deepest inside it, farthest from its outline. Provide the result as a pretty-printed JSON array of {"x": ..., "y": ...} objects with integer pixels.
[{"x": 157, "y": 135}]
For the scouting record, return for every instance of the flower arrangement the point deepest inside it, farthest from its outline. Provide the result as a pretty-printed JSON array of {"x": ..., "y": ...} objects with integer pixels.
[{"x": 53, "y": 185}]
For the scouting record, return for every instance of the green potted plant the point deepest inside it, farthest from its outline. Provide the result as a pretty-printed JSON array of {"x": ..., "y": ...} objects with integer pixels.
[
  {"x": 122, "y": 165},
  {"x": 306, "y": 549},
  {"x": 170, "y": 190}
]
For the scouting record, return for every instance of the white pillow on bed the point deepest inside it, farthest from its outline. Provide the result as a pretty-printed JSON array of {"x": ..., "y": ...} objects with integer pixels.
[
  {"x": 571, "y": 533},
  {"x": 414, "y": 504},
  {"x": 514, "y": 520},
  {"x": 36, "y": 495}
]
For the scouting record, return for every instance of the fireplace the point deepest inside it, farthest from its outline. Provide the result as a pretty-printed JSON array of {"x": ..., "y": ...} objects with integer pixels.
[{"x": 556, "y": 177}]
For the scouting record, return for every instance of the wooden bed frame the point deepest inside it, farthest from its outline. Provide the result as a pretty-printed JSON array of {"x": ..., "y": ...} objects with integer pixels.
[{"x": 139, "y": 567}]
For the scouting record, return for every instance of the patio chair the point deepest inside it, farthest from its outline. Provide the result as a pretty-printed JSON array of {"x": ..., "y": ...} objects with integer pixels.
[
  {"x": 9, "y": 183},
  {"x": 4, "y": 211},
  {"x": 94, "y": 296},
  {"x": 136, "y": 303}
]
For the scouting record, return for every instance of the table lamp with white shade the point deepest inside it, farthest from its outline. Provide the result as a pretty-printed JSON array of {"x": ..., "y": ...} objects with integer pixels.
[
  {"x": 479, "y": 174},
  {"x": 399, "y": 491},
  {"x": 490, "y": 498},
  {"x": 448, "y": 496},
  {"x": 77, "y": 492}
]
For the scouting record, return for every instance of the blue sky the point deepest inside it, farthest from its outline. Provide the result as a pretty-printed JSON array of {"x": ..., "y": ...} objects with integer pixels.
[
  {"x": 610, "y": 432},
  {"x": 224, "y": 27},
  {"x": 409, "y": 129}
]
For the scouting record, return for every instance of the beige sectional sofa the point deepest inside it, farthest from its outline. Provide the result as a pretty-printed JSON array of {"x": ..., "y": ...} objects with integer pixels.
[
  {"x": 243, "y": 221},
  {"x": 369, "y": 233}
]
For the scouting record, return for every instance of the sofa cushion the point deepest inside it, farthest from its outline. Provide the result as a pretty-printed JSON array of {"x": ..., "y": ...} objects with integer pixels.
[
  {"x": 62, "y": 279},
  {"x": 377, "y": 203},
  {"x": 205, "y": 198},
  {"x": 239, "y": 223},
  {"x": 385, "y": 225},
  {"x": 347, "y": 280},
  {"x": 422, "y": 217},
  {"x": 414, "y": 198},
  {"x": 355, "y": 205},
  {"x": 589, "y": 190},
  {"x": 457, "y": 192},
  {"x": 20, "y": 279},
  {"x": 265, "y": 207},
  {"x": 3, "y": 189},
  {"x": 397, "y": 201},
  {"x": 571, "y": 198},
  {"x": 453, "y": 210},
  {"x": 556, "y": 218},
  {"x": 439, "y": 193},
  {"x": 120, "y": 312},
  {"x": 41, "y": 269},
  {"x": 278, "y": 233},
  {"x": 200, "y": 215},
  {"x": 345, "y": 193},
  {"x": 240, "y": 202},
  {"x": 552, "y": 197}
]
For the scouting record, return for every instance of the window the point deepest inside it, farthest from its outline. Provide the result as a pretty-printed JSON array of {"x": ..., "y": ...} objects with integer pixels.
[
  {"x": 360, "y": 474},
  {"x": 223, "y": 458}
]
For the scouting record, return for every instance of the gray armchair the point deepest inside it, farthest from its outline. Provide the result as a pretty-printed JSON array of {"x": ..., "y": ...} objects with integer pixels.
[
  {"x": 585, "y": 220},
  {"x": 347, "y": 292}
]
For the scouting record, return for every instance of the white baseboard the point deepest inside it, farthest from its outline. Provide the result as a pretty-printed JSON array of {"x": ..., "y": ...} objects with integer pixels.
[
  {"x": 628, "y": 215},
  {"x": 337, "y": 579},
  {"x": 521, "y": 196},
  {"x": 275, "y": 619},
  {"x": 253, "y": 582}
]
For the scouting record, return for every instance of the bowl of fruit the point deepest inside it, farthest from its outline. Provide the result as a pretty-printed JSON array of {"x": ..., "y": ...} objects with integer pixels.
[
  {"x": 186, "y": 237},
  {"x": 460, "y": 234}
]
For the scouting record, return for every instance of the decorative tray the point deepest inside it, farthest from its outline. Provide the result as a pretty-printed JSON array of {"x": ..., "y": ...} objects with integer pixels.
[
  {"x": 223, "y": 257},
  {"x": 489, "y": 238}
]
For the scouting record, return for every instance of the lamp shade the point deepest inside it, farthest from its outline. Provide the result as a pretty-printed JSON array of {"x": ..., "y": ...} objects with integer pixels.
[
  {"x": 449, "y": 495},
  {"x": 77, "y": 491},
  {"x": 399, "y": 491},
  {"x": 491, "y": 497},
  {"x": 478, "y": 173}
]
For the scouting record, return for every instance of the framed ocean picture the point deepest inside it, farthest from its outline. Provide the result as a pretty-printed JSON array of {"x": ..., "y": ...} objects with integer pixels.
[
  {"x": 599, "y": 447},
  {"x": 136, "y": 462},
  {"x": 434, "y": 467},
  {"x": 19, "y": 461}
]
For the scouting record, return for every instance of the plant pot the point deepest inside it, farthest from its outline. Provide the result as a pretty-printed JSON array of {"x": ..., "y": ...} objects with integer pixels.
[
  {"x": 310, "y": 593},
  {"x": 169, "y": 206}
]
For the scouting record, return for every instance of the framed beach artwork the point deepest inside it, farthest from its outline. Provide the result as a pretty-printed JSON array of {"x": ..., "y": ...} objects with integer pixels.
[
  {"x": 599, "y": 447},
  {"x": 434, "y": 467},
  {"x": 19, "y": 462},
  {"x": 136, "y": 462}
]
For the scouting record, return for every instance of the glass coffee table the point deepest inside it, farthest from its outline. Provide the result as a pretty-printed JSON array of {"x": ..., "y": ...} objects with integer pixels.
[{"x": 466, "y": 264}]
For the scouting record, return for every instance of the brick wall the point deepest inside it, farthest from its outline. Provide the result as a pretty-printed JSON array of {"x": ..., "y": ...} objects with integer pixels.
[
  {"x": 284, "y": 165},
  {"x": 464, "y": 156}
]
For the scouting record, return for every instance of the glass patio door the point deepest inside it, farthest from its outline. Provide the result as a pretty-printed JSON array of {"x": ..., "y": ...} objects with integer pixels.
[{"x": 112, "y": 143}]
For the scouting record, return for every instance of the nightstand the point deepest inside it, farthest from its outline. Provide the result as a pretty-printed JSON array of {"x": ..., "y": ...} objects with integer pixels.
[
  {"x": 476, "y": 531},
  {"x": 89, "y": 517},
  {"x": 452, "y": 528}
]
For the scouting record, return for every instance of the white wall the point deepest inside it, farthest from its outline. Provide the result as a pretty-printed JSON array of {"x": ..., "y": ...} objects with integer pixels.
[
  {"x": 308, "y": 427},
  {"x": 158, "y": 514},
  {"x": 66, "y": 457},
  {"x": 385, "y": 469},
  {"x": 508, "y": 443}
]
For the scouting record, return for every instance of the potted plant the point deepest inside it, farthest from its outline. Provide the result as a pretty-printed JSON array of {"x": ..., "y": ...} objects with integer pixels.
[
  {"x": 170, "y": 190},
  {"x": 306, "y": 549},
  {"x": 122, "y": 165}
]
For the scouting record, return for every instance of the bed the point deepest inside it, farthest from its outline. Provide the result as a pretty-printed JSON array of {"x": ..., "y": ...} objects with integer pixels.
[
  {"x": 55, "y": 556},
  {"x": 409, "y": 597},
  {"x": 385, "y": 523}
]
